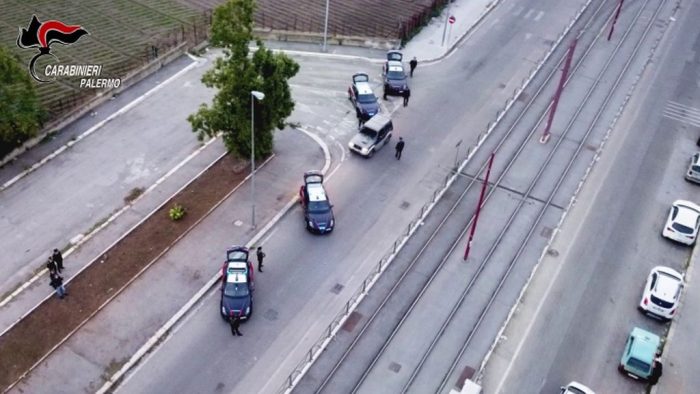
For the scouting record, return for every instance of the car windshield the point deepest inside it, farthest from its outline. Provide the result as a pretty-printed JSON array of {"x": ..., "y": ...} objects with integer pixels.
[
  {"x": 682, "y": 229},
  {"x": 396, "y": 75},
  {"x": 366, "y": 98},
  {"x": 236, "y": 290},
  {"x": 639, "y": 365},
  {"x": 368, "y": 132},
  {"x": 319, "y": 206},
  {"x": 658, "y": 301}
]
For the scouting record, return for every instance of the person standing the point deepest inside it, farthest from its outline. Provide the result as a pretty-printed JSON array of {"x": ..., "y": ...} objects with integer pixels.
[
  {"x": 399, "y": 148},
  {"x": 413, "y": 63},
  {"x": 261, "y": 256},
  {"x": 57, "y": 284},
  {"x": 58, "y": 258},
  {"x": 406, "y": 95},
  {"x": 235, "y": 322},
  {"x": 51, "y": 266}
]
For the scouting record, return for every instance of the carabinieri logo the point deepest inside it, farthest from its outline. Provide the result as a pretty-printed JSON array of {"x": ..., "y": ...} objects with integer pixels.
[{"x": 42, "y": 35}]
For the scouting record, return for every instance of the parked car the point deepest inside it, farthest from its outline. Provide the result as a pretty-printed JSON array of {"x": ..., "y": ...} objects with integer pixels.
[
  {"x": 638, "y": 356},
  {"x": 395, "y": 80},
  {"x": 683, "y": 222},
  {"x": 575, "y": 388},
  {"x": 693, "y": 173},
  {"x": 392, "y": 56},
  {"x": 372, "y": 136},
  {"x": 363, "y": 99},
  {"x": 662, "y": 293},
  {"x": 237, "y": 284},
  {"x": 318, "y": 211}
]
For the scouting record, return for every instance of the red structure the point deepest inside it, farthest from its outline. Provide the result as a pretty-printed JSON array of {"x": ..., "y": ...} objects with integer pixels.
[
  {"x": 478, "y": 207},
  {"x": 557, "y": 94}
]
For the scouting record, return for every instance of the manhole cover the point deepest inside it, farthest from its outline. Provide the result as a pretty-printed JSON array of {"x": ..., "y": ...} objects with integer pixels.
[
  {"x": 394, "y": 367},
  {"x": 404, "y": 205},
  {"x": 270, "y": 314},
  {"x": 546, "y": 232},
  {"x": 337, "y": 288}
]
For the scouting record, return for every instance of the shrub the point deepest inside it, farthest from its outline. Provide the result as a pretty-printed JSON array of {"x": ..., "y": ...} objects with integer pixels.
[{"x": 177, "y": 212}]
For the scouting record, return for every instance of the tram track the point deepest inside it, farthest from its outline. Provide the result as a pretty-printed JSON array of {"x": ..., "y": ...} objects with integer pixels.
[{"x": 462, "y": 203}]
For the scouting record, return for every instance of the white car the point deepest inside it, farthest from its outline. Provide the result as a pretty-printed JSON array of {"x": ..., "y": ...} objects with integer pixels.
[
  {"x": 683, "y": 222},
  {"x": 662, "y": 292},
  {"x": 576, "y": 388}
]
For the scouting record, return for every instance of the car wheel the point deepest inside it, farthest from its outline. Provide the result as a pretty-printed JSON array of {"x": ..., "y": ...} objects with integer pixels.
[{"x": 370, "y": 153}]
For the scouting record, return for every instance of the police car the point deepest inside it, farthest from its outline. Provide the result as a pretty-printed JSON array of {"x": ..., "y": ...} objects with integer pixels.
[
  {"x": 395, "y": 81},
  {"x": 362, "y": 97},
  {"x": 318, "y": 211},
  {"x": 237, "y": 284}
]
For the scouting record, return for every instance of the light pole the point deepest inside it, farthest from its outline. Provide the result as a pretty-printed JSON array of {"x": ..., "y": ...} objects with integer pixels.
[
  {"x": 325, "y": 26},
  {"x": 254, "y": 94}
]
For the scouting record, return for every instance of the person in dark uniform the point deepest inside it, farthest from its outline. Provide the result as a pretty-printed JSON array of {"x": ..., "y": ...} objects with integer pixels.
[
  {"x": 261, "y": 256},
  {"x": 406, "y": 95},
  {"x": 235, "y": 322},
  {"x": 413, "y": 63},
  {"x": 51, "y": 266},
  {"x": 399, "y": 148},
  {"x": 58, "y": 258}
]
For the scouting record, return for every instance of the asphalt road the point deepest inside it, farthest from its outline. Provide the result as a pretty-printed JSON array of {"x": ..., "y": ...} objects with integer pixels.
[
  {"x": 574, "y": 319},
  {"x": 309, "y": 278}
]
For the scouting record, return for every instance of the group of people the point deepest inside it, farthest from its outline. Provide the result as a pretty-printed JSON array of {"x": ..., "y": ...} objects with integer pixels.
[
  {"x": 235, "y": 319},
  {"x": 55, "y": 267}
]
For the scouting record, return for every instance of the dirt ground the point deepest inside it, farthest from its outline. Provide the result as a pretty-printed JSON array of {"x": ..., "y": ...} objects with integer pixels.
[{"x": 29, "y": 340}]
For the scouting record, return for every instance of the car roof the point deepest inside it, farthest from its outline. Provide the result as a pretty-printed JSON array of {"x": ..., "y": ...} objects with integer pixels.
[
  {"x": 236, "y": 277},
  {"x": 667, "y": 284},
  {"x": 580, "y": 387},
  {"x": 688, "y": 213},
  {"x": 316, "y": 192},
  {"x": 363, "y": 88},
  {"x": 377, "y": 121},
  {"x": 645, "y": 345},
  {"x": 394, "y": 63}
]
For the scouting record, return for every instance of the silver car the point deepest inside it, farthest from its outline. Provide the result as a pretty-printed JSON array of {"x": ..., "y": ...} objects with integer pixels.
[{"x": 372, "y": 136}]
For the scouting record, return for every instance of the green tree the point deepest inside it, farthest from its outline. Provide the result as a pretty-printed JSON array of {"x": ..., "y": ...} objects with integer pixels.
[
  {"x": 20, "y": 110},
  {"x": 235, "y": 75}
]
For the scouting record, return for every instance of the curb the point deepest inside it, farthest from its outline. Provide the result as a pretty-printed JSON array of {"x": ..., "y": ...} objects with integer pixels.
[{"x": 199, "y": 295}]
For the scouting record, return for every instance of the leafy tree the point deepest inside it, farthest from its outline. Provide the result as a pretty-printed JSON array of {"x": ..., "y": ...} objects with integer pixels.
[
  {"x": 20, "y": 111},
  {"x": 235, "y": 75}
]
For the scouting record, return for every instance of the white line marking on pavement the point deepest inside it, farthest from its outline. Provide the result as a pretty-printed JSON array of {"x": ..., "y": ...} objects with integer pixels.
[
  {"x": 539, "y": 16},
  {"x": 164, "y": 333},
  {"x": 529, "y": 12},
  {"x": 101, "y": 227},
  {"x": 94, "y": 128},
  {"x": 682, "y": 119}
]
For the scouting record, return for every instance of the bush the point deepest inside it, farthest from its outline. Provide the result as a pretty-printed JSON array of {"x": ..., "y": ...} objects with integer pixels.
[{"x": 177, "y": 212}]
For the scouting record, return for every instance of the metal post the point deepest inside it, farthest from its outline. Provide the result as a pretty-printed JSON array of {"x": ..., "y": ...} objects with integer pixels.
[
  {"x": 617, "y": 13},
  {"x": 478, "y": 207},
  {"x": 447, "y": 16},
  {"x": 252, "y": 154},
  {"x": 325, "y": 26},
  {"x": 557, "y": 94}
]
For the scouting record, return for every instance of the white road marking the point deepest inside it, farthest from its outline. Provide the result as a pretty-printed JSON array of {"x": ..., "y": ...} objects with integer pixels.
[
  {"x": 527, "y": 15},
  {"x": 682, "y": 113},
  {"x": 539, "y": 16}
]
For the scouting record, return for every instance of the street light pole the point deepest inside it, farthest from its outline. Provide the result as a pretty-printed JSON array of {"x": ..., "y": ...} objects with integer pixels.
[
  {"x": 254, "y": 94},
  {"x": 325, "y": 26}
]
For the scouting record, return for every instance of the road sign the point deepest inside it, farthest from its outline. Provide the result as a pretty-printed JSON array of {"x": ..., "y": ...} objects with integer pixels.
[{"x": 452, "y": 19}]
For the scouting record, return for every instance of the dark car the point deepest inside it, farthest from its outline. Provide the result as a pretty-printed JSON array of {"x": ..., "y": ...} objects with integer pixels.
[
  {"x": 318, "y": 211},
  {"x": 395, "y": 81},
  {"x": 362, "y": 97},
  {"x": 237, "y": 284}
]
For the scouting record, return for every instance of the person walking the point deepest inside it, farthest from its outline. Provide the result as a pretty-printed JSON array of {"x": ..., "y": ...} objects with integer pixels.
[
  {"x": 261, "y": 256},
  {"x": 51, "y": 265},
  {"x": 413, "y": 63},
  {"x": 58, "y": 258},
  {"x": 57, "y": 284},
  {"x": 399, "y": 148},
  {"x": 656, "y": 371},
  {"x": 235, "y": 322},
  {"x": 406, "y": 95}
]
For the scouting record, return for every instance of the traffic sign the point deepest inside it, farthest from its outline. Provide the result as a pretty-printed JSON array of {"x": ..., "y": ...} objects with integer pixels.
[{"x": 452, "y": 19}]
